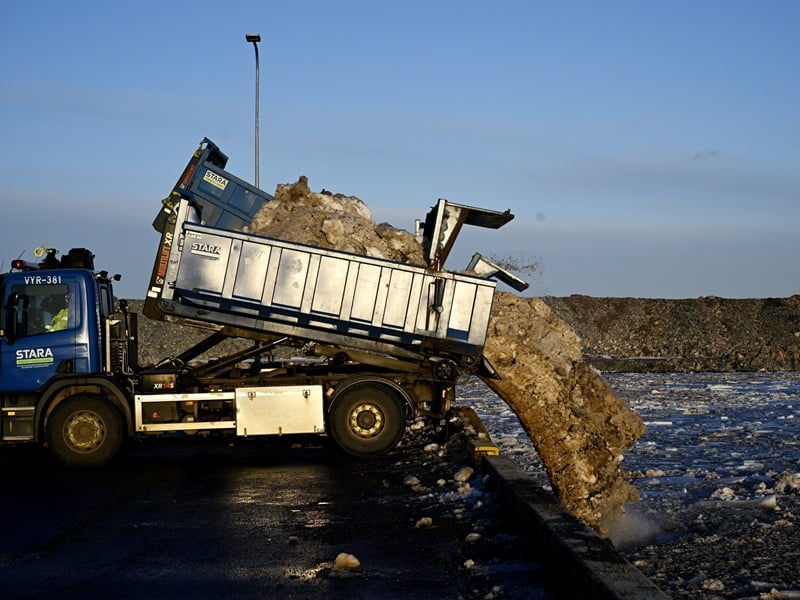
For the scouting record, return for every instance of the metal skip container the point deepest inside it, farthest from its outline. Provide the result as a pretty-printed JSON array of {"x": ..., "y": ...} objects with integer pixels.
[
  {"x": 209, "y": 271},
  {"x": 305, "y": 291}
]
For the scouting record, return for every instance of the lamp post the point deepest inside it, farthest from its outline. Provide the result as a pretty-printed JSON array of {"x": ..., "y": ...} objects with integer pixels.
[{"x": 254, "y": 38}]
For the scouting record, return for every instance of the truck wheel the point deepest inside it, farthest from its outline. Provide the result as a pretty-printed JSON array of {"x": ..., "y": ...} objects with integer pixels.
[
  {"x": 367, "y": 420},
  {"x": 84, "y": 431}
]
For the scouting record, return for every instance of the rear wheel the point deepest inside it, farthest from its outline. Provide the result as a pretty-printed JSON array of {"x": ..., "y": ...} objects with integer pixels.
[
  {"x": 84, "y": 431},
  {"x": 367, "y": 419}
]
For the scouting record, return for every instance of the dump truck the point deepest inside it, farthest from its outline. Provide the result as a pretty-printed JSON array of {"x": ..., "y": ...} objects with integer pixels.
[{"x": 364, "y": 345}]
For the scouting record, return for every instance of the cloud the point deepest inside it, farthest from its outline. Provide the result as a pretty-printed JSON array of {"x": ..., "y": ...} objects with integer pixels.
[{"x": 701, "y": 154}]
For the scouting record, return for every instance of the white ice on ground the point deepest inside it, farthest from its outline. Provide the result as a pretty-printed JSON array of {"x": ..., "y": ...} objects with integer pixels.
[{"x": 720, "y": 442}]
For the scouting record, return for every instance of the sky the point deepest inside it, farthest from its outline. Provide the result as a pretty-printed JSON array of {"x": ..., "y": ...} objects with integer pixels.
[{"x": 646, "y": 149}]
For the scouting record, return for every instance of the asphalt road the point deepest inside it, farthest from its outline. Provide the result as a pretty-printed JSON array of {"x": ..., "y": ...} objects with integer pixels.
[{"x": 205, "y": 518}]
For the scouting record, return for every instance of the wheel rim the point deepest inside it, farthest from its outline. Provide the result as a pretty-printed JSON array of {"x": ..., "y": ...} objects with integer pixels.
[
  {"x": 84, "y": 431},
  {"x": 366, "y": 420}
]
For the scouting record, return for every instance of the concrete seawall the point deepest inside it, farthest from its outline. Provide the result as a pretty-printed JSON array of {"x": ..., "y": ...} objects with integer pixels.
[{"x": 584, "y": 564}]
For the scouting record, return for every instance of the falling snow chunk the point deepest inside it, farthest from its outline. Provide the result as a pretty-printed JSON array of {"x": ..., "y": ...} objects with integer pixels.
[
  {"x": 769, "y": 502},
  {"x": 463, "y": 474},
  {"x": 751, "y": 465},
  {"x": 785, "y": 594},
  {"x": 774, "y": 593},
  {"x": 725, "y": 494},
  {"x": 789, "y": 483},
  {"x": 414, "y": 484},
  {"x": 346, "y": 561},
  {"x": 654, "y": 473},
  {"x": 496, "y": 592},
  {"x": 713, "y": 585},
  {"x": 726, "y": 497},
  {"x": 424, "y": 522},
  {"x": 469, "y": 563}
]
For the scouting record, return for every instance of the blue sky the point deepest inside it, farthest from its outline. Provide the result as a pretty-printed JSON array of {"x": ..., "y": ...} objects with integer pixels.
[{"x": 647, "y": 149}]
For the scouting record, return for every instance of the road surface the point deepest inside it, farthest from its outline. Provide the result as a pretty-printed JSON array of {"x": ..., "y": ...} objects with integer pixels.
[{"x": 204, "y": 518}]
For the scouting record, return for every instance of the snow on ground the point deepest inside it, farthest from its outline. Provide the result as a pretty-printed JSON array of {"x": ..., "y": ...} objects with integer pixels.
[{"x": 718, "y": 470}]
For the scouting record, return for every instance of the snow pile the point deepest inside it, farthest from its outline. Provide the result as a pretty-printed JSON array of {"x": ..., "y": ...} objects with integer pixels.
[
  {"x": 578, "y": 426},
  {"x": 329, "y": 220}
]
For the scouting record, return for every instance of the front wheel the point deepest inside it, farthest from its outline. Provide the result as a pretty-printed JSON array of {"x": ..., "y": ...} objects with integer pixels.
[
  {"x": 84, "y": 431},
  {"x": 367, "y": 419}
]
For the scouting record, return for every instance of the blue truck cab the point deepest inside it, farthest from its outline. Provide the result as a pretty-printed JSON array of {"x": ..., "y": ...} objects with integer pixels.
[
  {"x": 58, "y": 332},
  {"x": 48, "y": 332}
]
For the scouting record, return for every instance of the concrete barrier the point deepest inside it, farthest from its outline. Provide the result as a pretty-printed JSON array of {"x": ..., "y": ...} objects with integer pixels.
[{"x": 586, "y": 565}]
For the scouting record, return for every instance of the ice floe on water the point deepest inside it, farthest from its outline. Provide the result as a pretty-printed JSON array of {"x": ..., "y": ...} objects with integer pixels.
[{"x": 718, "y": 471}]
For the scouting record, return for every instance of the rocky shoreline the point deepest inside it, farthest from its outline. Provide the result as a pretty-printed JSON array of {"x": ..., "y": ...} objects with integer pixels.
[{"x": 624, "y": 335}]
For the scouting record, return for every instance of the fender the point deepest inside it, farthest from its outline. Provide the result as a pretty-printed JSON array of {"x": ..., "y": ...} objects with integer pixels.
[
  {"x": 61, "y": 387},
  {"x": 361, "y": 379}
]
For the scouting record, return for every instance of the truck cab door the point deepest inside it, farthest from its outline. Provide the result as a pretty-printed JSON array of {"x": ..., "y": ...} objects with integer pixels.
[{"x": 42, "y": 331}]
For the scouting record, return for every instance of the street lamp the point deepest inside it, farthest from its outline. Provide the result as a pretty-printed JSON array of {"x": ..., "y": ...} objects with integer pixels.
[{"x": 254, "y": 38}]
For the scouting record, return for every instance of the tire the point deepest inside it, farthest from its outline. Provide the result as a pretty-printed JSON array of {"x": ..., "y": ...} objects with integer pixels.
[
  {"x": 84, "y": 431},
  {"x": 367, "y": 419}
]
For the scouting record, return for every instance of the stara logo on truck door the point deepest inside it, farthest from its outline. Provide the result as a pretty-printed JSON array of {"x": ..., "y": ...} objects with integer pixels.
[
  {"x": 215, "y": 180},
  {"x": 34, "y": 357}
]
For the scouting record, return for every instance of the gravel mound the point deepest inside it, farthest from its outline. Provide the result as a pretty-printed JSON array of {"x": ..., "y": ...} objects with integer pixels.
[{"x": 688, "y": 335}]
